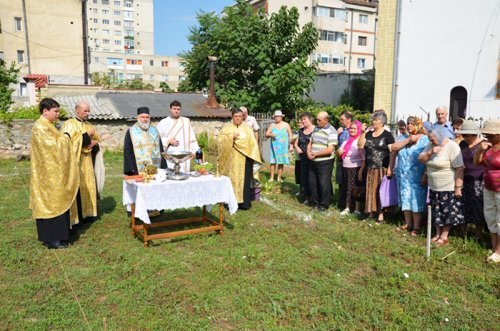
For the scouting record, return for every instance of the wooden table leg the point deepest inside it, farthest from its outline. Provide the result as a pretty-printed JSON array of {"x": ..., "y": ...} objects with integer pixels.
[
  {"x": 132, "y": 219},
  {"x": 204, "y": 213},
  {"x": 221, "y": 218},
  {"x": 145, "y": 234}
]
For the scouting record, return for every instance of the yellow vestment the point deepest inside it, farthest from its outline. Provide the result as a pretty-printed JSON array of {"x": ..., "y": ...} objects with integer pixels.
[
  {"x": 232, "y": 153},
  {"x": 88, "y": 190},
  {"x": 54, "y": 170}
]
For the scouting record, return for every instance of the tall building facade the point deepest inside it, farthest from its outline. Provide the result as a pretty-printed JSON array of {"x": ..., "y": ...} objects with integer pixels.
[
  {"x": 120, "y": 26},
  {"x": 43, "y": 37},
  {"x": 346, "y": 31}
]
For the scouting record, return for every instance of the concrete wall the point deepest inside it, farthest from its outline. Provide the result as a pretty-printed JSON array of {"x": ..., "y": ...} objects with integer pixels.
[
  {"x": 328, "y": 88},
  {"x": 15, "y": 139},
  {"x": 443, "y": 44}
]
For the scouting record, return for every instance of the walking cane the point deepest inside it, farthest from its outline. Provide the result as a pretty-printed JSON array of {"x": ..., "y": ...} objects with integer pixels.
[{"x": 429, "y": 230}]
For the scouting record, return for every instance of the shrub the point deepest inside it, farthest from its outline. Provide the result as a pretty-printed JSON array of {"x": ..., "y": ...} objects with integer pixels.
[{"x": 335, "y": 112}]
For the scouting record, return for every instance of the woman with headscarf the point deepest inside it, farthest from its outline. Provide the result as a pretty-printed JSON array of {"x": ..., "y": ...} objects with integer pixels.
[
  {"x": 473, "y": 176},
  {"x": 376, "y": 146},
  {"x": 409, "y": 172},
  {"x": 352, "y": 158},
  {"x": 445, "y": 170}
]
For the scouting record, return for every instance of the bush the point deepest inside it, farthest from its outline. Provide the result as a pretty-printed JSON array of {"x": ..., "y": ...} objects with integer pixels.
[
  {"x": 207, "y": 143},
  {"x": 31, "y": 112}
]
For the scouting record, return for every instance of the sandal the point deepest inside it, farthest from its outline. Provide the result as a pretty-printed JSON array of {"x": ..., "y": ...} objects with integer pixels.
[
  {"x": 414, "y": 232},
  {"x": 442, "y": 242},
  {"x": 434, "y": 239}
]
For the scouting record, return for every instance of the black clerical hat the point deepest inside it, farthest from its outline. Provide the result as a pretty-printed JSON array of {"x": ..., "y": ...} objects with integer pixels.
[{"x": 142, "y": 110}]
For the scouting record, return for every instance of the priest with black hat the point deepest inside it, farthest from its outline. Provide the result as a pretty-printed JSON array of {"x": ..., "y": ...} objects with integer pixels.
[{"x": 142, "y": 145}]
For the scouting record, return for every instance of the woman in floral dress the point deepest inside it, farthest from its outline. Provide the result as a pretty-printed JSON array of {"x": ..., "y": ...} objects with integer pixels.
[{"x": 281, "y": 135}]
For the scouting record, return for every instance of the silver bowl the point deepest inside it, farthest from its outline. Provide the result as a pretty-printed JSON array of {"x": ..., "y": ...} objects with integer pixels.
[{"x": 177, "y": 158}]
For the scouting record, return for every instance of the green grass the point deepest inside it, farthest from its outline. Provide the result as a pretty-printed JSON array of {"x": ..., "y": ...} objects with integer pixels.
[{"x": 277, "y": 266}]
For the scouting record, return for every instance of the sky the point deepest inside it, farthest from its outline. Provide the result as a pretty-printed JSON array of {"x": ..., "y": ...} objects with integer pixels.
[{"x": 172, "y": 19}]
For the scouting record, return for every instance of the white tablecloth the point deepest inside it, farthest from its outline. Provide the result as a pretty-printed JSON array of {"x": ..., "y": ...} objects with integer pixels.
[{"x": 172, "y": 194}]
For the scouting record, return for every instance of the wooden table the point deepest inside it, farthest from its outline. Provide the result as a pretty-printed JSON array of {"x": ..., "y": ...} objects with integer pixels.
[{"x": 170, "y": 195}]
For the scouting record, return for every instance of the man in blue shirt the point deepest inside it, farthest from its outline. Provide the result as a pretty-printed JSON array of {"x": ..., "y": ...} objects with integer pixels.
[{"x": 442, "y": 120}]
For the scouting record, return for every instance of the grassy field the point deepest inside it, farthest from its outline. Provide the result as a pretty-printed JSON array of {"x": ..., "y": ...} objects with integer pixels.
[{"x": 278, "y": 266}]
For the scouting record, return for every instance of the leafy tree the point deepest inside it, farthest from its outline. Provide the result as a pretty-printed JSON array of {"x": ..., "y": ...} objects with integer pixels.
[
  {"x": 8, "y": 75},
  {"x": 262, "y": 60},
  {"x": 106, "y": 80}
]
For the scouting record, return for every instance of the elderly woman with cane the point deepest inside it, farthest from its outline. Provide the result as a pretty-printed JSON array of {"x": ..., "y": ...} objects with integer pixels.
[{"x": 445, "y": 169}]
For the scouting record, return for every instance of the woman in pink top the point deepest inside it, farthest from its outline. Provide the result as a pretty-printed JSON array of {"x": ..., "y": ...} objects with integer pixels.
[
  {"x": 352, "y": 158},
  {"x": 488, "y": 155}
]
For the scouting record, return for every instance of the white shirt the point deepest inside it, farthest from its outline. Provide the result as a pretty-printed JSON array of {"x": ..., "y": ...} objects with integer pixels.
[
  {"x": 182, "y": 131},
  {"x": 252, "y": 122}
]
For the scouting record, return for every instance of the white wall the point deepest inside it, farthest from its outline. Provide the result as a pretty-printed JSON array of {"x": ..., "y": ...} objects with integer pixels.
[{"x": 440, "y": 43}]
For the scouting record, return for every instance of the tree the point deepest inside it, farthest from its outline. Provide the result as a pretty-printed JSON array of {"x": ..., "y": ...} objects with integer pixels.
[
  {"x": 262, "y": 60},
  {"x": 8, "y": 75},
  {"x": 165, "y": 88}
]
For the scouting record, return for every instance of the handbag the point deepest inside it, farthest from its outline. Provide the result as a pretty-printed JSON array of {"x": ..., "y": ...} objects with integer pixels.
[{"x": 388, "y": 192}]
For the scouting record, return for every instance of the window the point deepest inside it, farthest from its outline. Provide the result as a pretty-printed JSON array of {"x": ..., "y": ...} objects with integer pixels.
[
  {"x": 117, "y": 3},
  {"x": 128, "y": 24},
  {"x": 118, "y": 42},
  {"x": 96, "y": 59},
  {"x": 105, "y": 21},
  {"x": 363, "y": 19},
  {"x": 151, "y": 62},
  {"x": 105, "y": 2},
  {"x": 322, "y": 11},
  {"x": 128, "y": 14},
  {"x": 105, "y": 11},
  {"x": 164, "y": 78},
  {"x": 105, "y": 41},
  {"x": 118, "y": 33},
  {"x": 164, "y": 64},
  {"x": 181, "y": 78},
  {"x": 331, "y": 36},
  {"x": 128, "y": 4},
  {"x": 95, "y": 1},
  {"x": 105, "y": 31},
  {"x": 362, "y": 41},
  {"x": 324, "y": 58},
  {"x": 129, "y": 43},
  {"x": 361, "y": 63},
  {"x": 18, "y": 24},
  {"x": 131, "y": 61},
  {"x": 114, "y": 61},
  {"x": 20, "y": 56},
  {"x": 117, "y": 23},
  {"x": 117, "y": 12},
  {"x": 339, "y": 14},
  {"x": 96, "y": 20},
  {"x": 23, "y": 89},
  {"x": 330, "y": 12},
  {"x": 151, "y": 77},
  {"x": 94, "y": 10},
  {"x": 129, "y": 51},
  {"x": 95, "y": 30}
]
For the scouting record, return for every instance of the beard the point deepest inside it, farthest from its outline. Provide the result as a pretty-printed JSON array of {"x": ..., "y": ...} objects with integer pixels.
[{"x": 144, "y": 126}]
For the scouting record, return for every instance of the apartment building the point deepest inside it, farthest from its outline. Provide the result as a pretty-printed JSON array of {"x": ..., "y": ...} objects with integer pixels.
[
  {"x": 120, "y": 26},
  {"x": 43, "y": 37},
  {"x": 152, "y": 69},
  {"x": 346, "y": 31}
]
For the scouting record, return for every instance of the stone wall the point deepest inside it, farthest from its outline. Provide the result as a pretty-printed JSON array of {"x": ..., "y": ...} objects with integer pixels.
[{"x": 15, "y": 139}]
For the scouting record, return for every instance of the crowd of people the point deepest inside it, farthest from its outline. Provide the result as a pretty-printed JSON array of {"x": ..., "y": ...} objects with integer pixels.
[{"x": 454, "y": 167}]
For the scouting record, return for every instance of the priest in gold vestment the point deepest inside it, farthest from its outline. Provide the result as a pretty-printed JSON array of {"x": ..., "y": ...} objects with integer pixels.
[
  {"x": 238, "y": 152},
  {"x": 54, "y": 176},
  {"x": 84, "y": 208}
]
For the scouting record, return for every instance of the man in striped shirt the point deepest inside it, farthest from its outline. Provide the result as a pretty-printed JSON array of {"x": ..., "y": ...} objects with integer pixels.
[{"x": 320, "y": 152}]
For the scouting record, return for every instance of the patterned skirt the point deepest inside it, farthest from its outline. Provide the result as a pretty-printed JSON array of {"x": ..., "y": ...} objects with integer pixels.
[
  {"x": 372, "y": 198},
  {"x": 472, "y": 198},
  {"x": 447, "y": 210}
]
